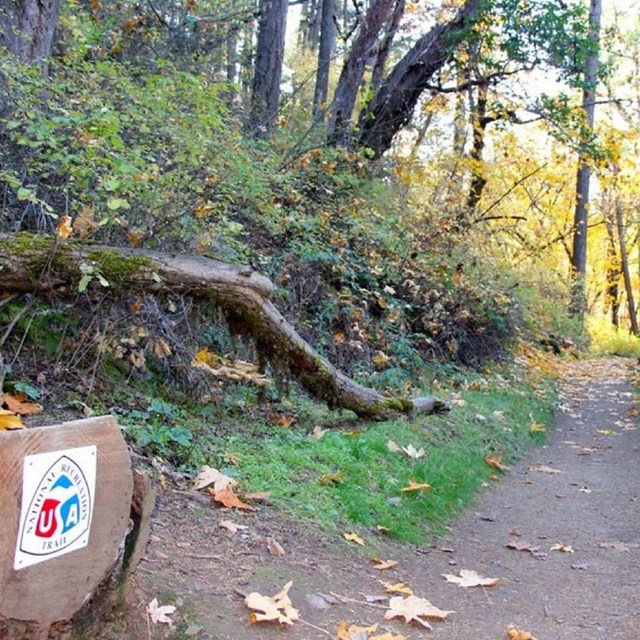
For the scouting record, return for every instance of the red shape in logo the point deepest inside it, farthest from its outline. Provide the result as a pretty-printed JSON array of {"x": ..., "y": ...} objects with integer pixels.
[{"x": 47, "y": 522}]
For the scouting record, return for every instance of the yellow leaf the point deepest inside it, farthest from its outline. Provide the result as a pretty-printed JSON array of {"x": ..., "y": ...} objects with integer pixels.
[
  {"x": 398, "y": 587},
  {"x": 513, "y": 633},
  {"x": 605, "y": 432},
  {"x": 64, "y": 229},
  {"x": 354, "y": 632},
  {"x": 383, "y": 565},
  {"x": 276, "y": 608},
  {"x": 333, "y": 478},
  {"x": 536, "y": 427},
  {"x": 562, "y": 548},
  {"x": 415, "y": 486},
  {"x": 353, "y": 537},
  {"x": 9, "y": 421}
]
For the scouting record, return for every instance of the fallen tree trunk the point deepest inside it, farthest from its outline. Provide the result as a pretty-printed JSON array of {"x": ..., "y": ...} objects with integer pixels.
[{"x": 43, "y": 264}]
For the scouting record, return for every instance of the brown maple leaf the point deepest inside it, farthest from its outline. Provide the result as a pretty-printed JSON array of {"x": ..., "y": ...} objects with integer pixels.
[
  {"x": 228, "y": 498},
  {"x": 496, "y": 463}
]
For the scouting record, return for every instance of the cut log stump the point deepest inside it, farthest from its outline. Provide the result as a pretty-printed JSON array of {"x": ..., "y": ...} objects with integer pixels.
[{"x": 75, "y": 520}]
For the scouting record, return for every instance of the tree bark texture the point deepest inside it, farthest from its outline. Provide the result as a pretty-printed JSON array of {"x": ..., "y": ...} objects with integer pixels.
[
  {"x": 45, "y": 266},
  {"x": 27, "y": 28},
  {"x": 325, "y": 52},
  {"x": 578, "y": 304},
  {"x": 393, "y": 105},
  {"x": 362, "y": 49},
  {"x": 265, "y": 98}
]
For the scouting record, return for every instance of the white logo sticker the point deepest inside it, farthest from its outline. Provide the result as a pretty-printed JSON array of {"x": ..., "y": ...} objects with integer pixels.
[{"x": 58, "y": 490}]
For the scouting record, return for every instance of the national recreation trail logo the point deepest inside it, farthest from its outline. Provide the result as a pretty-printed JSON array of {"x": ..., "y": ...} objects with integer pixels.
[{"x": 57, "y": 504}]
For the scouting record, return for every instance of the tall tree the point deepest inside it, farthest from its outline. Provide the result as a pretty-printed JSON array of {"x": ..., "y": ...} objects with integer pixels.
[
  {"x": 350, "y": 81},
  {"x": 325, "y": 52},
  {"x": 28, "y": 27},
  {"x": 265, "y": 98},
  {"x": 392, "y": 106},
  {"x": 578, "y": 304}
]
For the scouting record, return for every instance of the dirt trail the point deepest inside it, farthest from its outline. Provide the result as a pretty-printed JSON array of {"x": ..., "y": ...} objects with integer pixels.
[{"x": 581, "y": 490}]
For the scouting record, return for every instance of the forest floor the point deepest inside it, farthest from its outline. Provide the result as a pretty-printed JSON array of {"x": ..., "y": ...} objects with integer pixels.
[{"x": 560, "y": 530}]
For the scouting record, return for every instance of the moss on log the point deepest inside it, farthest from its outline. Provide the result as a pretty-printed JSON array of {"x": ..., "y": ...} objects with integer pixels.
[{"x": 42, "y": 265}]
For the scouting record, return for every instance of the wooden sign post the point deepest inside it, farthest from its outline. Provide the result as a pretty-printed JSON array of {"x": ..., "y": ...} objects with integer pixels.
[{"x": 65, "y": 502}]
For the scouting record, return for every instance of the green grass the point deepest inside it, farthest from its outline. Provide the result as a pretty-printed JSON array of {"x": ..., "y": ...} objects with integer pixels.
[
  {"x": 367, "y": 492},
  {"x": 607, "y": 340}
]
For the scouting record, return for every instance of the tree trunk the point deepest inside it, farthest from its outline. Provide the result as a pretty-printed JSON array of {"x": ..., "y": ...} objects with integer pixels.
[
  {"x": 612, "y": 291},
  {"x": 385, "y": 46},
  {"x": 624, "y": 263},
  {"x": 265, "y": 98},
  {"x": 325, "y": 52},
  {"x": 393, "y": 105},
  {"x": 344, "y": 100},
  {"x": 27, "y": 29},
  {"x": 44, "y": 266},
  {"x": 578, "y": 304}
]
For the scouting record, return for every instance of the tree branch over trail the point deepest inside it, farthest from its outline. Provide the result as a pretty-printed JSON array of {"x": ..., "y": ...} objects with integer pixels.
[{"x": 45, "y": 265}]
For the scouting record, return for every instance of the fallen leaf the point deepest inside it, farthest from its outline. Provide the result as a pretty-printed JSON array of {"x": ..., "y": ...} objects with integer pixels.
[
  {"x": 415, "y": 486},
  {"x": 210, "y": 476},
  {"x": 331, "y": 478},
  {"x": 383, "y": 565},
  {"x": 318, "y": 433},
  {"x": 394, "y": 447},
  {"x": 605, "y": 432},
  {"x": 382, "y": 529},
  {"x": 562, "y": 548},
  {"x": 353, "y": 537},
  {"x": 536, "y": 427},
  {"x": 415, "y": 609},
  {"x": 348, "y": 631},
  {"x": 389, "y": 636},
  {"x": 192, "y": 630},
  {"x": 412, "y": 452},
  {"x": 65, "y": 228},
  {"x": 513, "y": 633},
  {"x": 544, "y": 469},
  {"x": 496, "y": 463},
  {"x": 15, "y": 405},
  {"x": 398, "y": 587},
  {"x": 275, "y": 548},
  {"x": 232, "y": 527},
  {"x": 285, "y": 421},
  {"x": 160, "y": 613},
  {"x": 230, "y": 499},
  {"x": 276, "y": 608},
  {"x": 9, "y": 421},
  {"x": 471, "y": 579}
]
